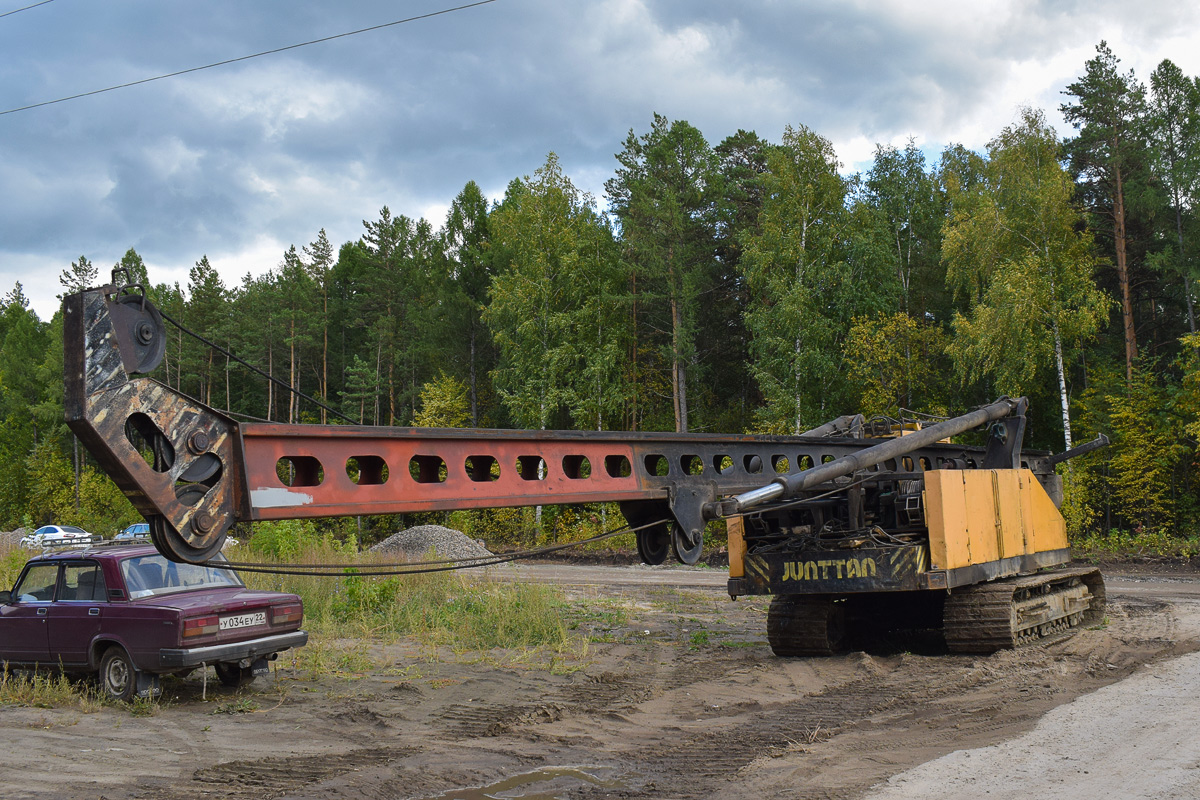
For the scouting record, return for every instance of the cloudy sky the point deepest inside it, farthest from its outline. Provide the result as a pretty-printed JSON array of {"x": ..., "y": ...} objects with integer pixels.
[{"x": 239, "y": 161}]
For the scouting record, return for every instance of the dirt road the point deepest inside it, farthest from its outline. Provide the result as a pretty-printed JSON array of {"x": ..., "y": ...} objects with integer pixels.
[{"x": 677, "y": 695}]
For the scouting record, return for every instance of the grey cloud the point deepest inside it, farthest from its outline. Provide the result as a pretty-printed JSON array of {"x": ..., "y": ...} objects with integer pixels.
[{"x": 323, "y": 136}]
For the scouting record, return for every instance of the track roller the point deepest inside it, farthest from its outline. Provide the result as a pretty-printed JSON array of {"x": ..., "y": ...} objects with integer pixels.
[{"x": 1016, "y": 611}]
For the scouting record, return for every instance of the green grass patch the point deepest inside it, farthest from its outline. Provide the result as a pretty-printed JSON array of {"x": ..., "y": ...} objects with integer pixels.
[
  {"x": 1129, "y": 544},
  {"x": 240, "y": 705},
  {"x": 12, "y": 559},
  {"x": 44, "y": 689},
  {"x": 344, "y": 659},
  {"x": 464, "y": 611}
]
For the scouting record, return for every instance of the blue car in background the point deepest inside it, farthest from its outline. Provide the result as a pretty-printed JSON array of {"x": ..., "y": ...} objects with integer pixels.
[
  {"x": 136, "y": 532},
  {"x": 140, "y": 532}
]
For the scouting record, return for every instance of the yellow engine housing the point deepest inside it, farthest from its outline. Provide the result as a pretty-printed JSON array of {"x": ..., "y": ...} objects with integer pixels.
[{"x": 983, "y": 516}]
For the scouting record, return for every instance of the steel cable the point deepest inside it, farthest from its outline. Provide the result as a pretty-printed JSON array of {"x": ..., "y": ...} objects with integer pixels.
[
  {"x": 416, "y": 567},
  {"x": 253, "y": 368}
]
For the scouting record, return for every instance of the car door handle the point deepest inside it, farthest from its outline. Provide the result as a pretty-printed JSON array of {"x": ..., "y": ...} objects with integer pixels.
[
  {"x": 93, "y": 612},
  {"x": 41, "y": 612}
]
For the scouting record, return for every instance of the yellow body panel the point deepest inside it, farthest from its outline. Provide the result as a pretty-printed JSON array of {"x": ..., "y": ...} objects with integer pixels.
[
  {"x": 981, "y": 515},
  {"x": 736, "y": 530}
]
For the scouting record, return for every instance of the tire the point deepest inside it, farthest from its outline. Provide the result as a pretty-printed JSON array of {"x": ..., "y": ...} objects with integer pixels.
[
  {"x": 232, "y": 675},
  {"x": 117, "y": 675}
]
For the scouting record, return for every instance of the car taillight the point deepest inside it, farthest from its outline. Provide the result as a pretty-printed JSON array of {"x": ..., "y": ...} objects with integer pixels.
[
  {"x": 200, "y": 626},
  {"x": 292, "y": 612}
]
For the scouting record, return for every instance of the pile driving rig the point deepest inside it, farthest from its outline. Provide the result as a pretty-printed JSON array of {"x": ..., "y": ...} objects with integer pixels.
[{"x": 849, "y": 532}]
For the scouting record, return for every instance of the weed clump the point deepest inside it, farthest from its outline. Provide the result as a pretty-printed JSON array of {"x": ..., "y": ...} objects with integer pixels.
[
  {"x": 463, "y": 610},
  {"x": 45, "y": 689}
]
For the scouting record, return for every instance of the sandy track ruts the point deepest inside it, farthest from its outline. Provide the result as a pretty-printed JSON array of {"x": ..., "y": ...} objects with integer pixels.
[{"x": 665, "y": 713}]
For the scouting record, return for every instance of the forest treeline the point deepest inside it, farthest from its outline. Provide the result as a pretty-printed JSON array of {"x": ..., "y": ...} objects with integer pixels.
[{"x": 743, "y": 286}]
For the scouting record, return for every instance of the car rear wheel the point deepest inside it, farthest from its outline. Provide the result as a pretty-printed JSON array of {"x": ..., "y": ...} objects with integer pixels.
[
  {"x": 118, "y": 678},
  {"x": 233, "y": 675}
]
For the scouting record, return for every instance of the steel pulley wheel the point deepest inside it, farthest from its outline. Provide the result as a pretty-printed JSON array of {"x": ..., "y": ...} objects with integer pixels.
[
  {"x": 686, "y": 552},
  {"x": 169, "y": 541},
  {"x": 163, "y": 535},
  {"x": 141, "y": 328},
  {"x": 172, "y": 545}
]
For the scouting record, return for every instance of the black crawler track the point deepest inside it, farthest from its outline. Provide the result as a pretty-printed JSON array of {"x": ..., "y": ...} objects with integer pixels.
[
  {"x": 806, "y": 625},
  {"x": 1016, "y": 611}
]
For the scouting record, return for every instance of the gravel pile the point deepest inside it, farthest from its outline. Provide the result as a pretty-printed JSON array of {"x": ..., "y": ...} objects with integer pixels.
[
  {"x": 13, "y": 538},
  {"x": 416, "y": 543}
]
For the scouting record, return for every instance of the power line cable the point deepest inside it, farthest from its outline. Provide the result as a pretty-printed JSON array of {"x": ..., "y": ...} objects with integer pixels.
[
  {"x": 244, "y": 58},
  {"x": 26, "y": 8}
]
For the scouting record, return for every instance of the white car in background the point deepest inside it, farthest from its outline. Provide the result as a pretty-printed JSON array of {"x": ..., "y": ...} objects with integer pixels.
[{"x": 56, "y": 536}]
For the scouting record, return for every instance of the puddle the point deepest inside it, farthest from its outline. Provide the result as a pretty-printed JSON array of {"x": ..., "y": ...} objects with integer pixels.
[{"x": 549, "y": 783}]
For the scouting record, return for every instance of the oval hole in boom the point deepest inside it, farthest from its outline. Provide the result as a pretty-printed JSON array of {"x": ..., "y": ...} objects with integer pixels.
[
  {"x": 531, "y": 468},
  {"x": 427, "y": 469},
  {"x": 299, "y": 471},
  {"x": 576, "y": 467},
  {"x": 657, "y": 465},
  {"x": 149, "y": 442},
  {"x": 617, "y": 466},
  {"x": 367, "y": 470},
  {"x": 482, "y": 469}
]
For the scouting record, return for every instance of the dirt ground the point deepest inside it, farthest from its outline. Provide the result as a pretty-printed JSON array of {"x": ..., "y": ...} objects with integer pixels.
[{"x": 677, "y": 696}]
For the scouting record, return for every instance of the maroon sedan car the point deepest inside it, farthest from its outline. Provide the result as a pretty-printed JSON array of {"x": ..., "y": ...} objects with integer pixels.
[{"x": 128, "y": 615}]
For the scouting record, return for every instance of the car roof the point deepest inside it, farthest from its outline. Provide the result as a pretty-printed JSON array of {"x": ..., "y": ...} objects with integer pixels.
[{"x": 110, "y": 553}]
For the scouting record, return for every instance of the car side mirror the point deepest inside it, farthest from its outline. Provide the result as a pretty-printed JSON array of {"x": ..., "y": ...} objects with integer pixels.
[{"x": 5, "y": 597}]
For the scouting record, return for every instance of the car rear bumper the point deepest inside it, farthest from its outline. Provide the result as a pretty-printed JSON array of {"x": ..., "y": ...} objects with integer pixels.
[{"x": 174, "y": 658}]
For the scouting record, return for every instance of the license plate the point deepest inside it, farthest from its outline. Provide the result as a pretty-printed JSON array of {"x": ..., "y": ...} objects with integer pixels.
[{"x": 243, "y": 620}]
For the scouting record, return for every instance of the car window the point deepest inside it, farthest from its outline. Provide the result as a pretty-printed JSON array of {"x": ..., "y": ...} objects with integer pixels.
[
  {"x": 38, "y": 583},
  {"x": 82, "y": 581},
  {"x": 153, "y": 574},
  {"x": 44, "y": 530},
  {"x": 73, "y": 529}
]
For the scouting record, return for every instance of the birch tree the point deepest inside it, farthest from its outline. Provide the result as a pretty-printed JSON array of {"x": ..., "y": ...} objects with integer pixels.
[
  {"x": 555, "y": 304},
  {"x": 801, "y": 301},
  {"x": 1019, "y": 236}
]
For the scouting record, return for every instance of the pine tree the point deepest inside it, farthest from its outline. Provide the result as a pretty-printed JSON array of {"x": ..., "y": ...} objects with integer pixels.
[
  {"x": 79, "y": 276},
  {"x": 1107, "y": 116},
  {"x": 466, "y": 241},
  {"x": 1174, "y": 123},
  {"x": 664, "y": 197},
  {"x": 320, "y": 270}
]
